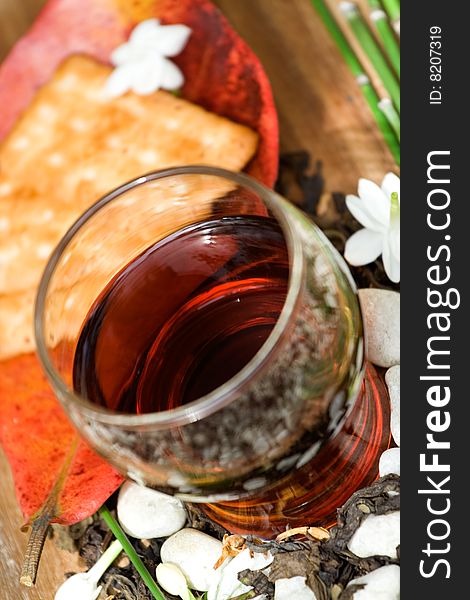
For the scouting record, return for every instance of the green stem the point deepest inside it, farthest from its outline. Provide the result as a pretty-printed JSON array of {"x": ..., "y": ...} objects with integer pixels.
[
  {"x": 387, "y": 36},
  {"x": 356, "y": 69},
  {"x": 105, "y": 561},
  {"x": 391, "y": 114},
  {"x": 394, "y": 207},
  {"x": 372, "y": 50},
  {"x": 392, "y": 8},
  {"x": 131, "y": 553}
]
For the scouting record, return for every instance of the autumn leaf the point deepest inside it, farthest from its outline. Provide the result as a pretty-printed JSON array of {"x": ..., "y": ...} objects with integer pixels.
[{"x": 57, "y": 477}]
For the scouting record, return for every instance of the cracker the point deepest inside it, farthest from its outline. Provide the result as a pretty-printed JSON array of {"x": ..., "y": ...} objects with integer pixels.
[
  {"x": 71, "y": 146},
  {"x": 16, "y": 329}
]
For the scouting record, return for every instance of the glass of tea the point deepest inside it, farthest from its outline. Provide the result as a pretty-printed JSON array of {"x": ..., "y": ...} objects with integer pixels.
[{"x": 205, "y": 338}]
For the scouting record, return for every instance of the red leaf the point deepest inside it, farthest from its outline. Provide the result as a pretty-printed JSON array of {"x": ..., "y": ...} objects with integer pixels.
[
  {"x": 51, "y": 466},
  {"x": 41, "y": 446}
]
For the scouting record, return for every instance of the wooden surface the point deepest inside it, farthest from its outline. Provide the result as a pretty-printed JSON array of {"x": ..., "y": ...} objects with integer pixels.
[
  {"x": 320, "y": 110},
  {"x": 320, "y": 106}
]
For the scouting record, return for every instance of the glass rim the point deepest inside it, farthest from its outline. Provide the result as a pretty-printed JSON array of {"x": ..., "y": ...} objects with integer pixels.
[{"x": 228, "y": 391}]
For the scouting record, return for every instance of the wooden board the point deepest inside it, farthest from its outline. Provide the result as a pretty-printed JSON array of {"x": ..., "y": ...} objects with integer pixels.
[
  {"x": 320, "y": 106},
  {"x": 320, "y": 110}
]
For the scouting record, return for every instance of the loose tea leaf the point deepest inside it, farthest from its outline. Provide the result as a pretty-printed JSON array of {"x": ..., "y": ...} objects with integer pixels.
[
  {"x": 68, "y": 538},
  {"x": 348, "y": 594},
  {"x": 122, "y": 579},
  {"x": 381, "y": 498},
  {"x": 258, "y": 581},
  {"x": 329, "y": 566},
  {"x": 301, "y": 563},
  {"x": 122, "y": 588},
  {"x": 197, "y": 519}
]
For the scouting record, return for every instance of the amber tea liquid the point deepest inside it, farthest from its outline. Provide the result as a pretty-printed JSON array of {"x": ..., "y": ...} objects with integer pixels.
[
  {"x": 186, "y": 316},
  {"x": 183, "y": 318}
]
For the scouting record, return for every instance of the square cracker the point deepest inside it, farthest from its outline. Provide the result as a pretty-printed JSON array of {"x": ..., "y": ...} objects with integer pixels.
[{"x": 71, "y": 146}]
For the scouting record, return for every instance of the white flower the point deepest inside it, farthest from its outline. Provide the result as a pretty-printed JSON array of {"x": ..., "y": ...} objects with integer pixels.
[
  {"x": 173, "y": 581},
  {"x": 378, "y": 209},
  {"x": 142, "y": 63},
  {"x": 225, "y": 584},
  {"x": 84, "y": 586}
]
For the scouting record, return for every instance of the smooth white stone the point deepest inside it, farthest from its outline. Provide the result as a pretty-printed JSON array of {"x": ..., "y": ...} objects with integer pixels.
[
  {"x": 390, "y": 462},
  {"x": 381, "y": 315},
  {"x": 195, "y": 553},
  {"x": 146, "y": 513},
  {"x": 381, "y": 584},
  {"x": 227, "y": 586},
  {"x": 392, "y": 379},
  {"x": 377, "y": 535},
  {"x": 293, "y": 588}
]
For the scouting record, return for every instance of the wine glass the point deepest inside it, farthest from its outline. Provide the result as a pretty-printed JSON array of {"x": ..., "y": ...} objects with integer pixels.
[{"x": 206, "y": 339}]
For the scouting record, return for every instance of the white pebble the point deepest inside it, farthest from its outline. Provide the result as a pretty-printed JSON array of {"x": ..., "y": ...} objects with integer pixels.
[
  {"x": 195, "y": 553},
  {"x": 146, "y": 513},
  {"x": 392, "y": 378},
  {"x": 381, "y": 584},
  {"x": 390, "y": 462},
  {"x": 294, "y": 587},
  {"x": 377, "y": 535},
  {"x": 381, "y": 315}
]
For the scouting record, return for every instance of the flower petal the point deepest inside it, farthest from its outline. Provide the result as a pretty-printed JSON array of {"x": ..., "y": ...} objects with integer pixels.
[
  {"x": 359, "y": 211},
  {"x": 122, "y": 55},
  {"x": 145, "y": 31},
  {"x": 119, "y": 82},
  {"x": 227, "y": 585},
  {"x": 394, "y": 241},
  {"x": 363, "y": 247},
  {"x": 375, "y": 202},
  {"x": 97, "y": 593},
  {"x": 148, "y": 76},
  {"x": 391, "y": 183},
  {"x": 172, "y": 580},
  {"x": 391, "y": 264},
  {"x": 171, "y": 77},
  {"x": 172, "y": 39}
]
